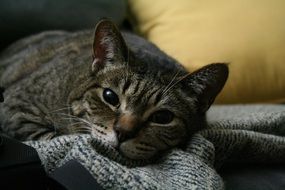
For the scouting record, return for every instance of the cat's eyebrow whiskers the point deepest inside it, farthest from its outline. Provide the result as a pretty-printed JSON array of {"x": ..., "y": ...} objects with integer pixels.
[
  {"x": 127, "y": 62},
  {"x": 179, "y": 80},
  {"x": 170, "y": 83}
]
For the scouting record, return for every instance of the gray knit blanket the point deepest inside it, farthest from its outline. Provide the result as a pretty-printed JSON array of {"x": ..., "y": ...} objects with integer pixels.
[{"x": 235, "y": 134}]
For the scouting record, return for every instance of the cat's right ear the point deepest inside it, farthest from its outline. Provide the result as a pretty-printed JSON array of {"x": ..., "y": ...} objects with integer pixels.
[
  {"x": 206, "y": 83},
  {"x": 108, "y": 46}
]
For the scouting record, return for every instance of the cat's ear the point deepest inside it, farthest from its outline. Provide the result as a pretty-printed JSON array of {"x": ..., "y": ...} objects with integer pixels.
[
  {"x": 206, "y": 83},
  {"x": 108, "y": 46}
]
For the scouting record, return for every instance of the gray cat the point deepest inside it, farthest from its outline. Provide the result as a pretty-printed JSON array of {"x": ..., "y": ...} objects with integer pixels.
[{"x": 129, "y": 93}]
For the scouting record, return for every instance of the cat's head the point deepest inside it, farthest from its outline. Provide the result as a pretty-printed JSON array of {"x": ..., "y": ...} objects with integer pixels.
[{"x": 139, "y": 107}]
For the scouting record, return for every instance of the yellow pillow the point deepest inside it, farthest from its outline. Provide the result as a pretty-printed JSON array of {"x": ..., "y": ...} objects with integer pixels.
[{"x": 248, "y": 34}]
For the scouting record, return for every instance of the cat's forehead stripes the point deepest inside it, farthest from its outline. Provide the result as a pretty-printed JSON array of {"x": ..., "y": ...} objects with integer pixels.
[
  {"x": 146, "y": 102},
  {"x": 133, "y": 87},
  {"x": 126, "y": 85},
  {"x": 140, "y": 89}
]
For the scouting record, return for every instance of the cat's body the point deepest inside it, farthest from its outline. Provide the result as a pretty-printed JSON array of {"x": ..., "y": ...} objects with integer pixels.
[{"x": 126, "y": 96}]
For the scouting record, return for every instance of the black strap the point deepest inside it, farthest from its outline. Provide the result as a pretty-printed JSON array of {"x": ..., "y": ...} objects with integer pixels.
[
  {"x": 20, "y": 166},
  {"x": 73, "y": 176},
  {"x": 13, "y": 152}
]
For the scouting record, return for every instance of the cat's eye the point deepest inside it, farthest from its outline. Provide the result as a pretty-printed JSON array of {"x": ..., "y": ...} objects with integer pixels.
[
  {"x": 110, "y": 97},
  {"x": 162, "y": 117}
]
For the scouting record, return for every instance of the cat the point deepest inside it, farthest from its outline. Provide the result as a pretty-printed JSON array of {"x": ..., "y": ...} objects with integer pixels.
[{"x": 116, "y": 86}]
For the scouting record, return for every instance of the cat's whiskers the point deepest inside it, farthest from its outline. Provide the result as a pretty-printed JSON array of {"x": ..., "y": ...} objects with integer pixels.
[
  {"x": 55, "y": 112},
  {"x": 68, "y": 115},
  {"x": 80, "y": 126},
  {"x": 60, "y": 109},
  {"x": 170, "y": 83},
  {"x": 179, "y": 80},
  {"x": 78, "y": 119}
]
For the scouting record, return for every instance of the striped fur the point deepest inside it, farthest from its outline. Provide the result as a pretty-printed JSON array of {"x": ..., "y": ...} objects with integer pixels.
[{"x": 54, "y": 86}]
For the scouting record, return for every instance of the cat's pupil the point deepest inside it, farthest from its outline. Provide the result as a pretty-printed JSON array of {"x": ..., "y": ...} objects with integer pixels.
[
  {"x": 110, "y": 97},
  {"x": 162, "y": 117}
]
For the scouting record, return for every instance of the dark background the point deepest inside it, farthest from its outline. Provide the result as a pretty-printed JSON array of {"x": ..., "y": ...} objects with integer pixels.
[{"x": 20, "y": 18}]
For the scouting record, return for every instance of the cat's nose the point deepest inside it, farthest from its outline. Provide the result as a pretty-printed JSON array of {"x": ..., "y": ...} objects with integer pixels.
[
  {"x": 126, "y": 127},
  {"x": 123, "y": 135}
]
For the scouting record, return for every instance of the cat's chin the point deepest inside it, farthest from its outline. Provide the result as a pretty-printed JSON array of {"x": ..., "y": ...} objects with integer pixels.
[{"x": 131, "y": 150}]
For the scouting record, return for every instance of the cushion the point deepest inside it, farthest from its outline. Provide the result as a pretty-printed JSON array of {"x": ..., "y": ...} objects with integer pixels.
[
  {"x": 25, "y": 17},
  {"x": 247, "y": 34}
]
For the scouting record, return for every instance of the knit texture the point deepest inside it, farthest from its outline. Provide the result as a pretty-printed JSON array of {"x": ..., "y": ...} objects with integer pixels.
[{"x": 235, "y": 134}]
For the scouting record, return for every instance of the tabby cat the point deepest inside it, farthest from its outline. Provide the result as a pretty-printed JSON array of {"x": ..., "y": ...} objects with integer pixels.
[{"x": 129, "y": 93}]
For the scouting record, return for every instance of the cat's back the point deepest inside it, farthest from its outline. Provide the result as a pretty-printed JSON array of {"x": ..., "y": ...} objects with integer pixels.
[
  {"x": 148, "y": 53},
  {"x": 31, "y": 54}
]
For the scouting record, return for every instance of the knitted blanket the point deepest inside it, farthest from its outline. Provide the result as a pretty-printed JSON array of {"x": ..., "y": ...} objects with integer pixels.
[{"x": 235, "y": 134}]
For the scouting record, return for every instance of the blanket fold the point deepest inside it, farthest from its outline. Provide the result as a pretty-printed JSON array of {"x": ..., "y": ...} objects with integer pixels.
[{"x": 251, "y": 134}]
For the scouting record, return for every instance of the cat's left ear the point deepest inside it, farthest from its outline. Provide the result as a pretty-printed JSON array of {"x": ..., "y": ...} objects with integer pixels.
[
  {"x": 108, "y": 46},
  {"x": 206, "y": 83}
]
